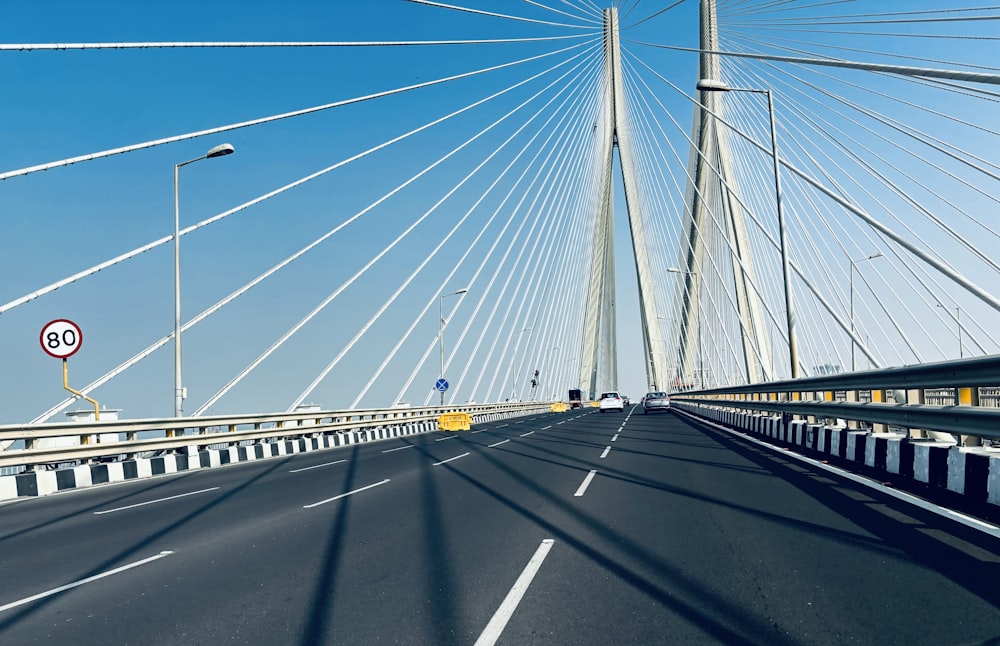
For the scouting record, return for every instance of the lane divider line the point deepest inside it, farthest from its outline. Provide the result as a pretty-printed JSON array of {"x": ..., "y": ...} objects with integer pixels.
[
  {"x": 607, "y": 450},
  {"x": 527, "y": 434},
  {"x": 479, "y": 431},
  {"x": 547, "y": 427},
  {"x": 502, "y": 425},
  {"x": 491, "y": 633},
  {"x": 450, "y": 459},
  {"x": 400, "y": 448},
  {"x": 89, "y": 579},
  {"x": 153, "y": 502},
  {"x": 442, "y": 439},
  {"x": 498, "y": 443},
  {"x": 343, "y": 495},
  {"x": 326, "y": 464},
  {"x": 615, "y": 438},
  {"x": 585, "y": 483},
  {"x": 562, "y": 422}
]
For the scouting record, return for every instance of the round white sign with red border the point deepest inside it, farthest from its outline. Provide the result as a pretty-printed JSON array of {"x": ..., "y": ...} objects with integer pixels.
[{"x": 61, "y": 338}]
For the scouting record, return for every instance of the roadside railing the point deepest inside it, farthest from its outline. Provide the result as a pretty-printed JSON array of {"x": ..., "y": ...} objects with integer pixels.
[
  {"x": 34, "y": 445},
  {"x": 957, "y": 398}
]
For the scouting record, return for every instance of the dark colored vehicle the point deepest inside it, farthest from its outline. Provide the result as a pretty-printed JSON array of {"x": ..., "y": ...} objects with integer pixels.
[
  {"x": 575, "y": 400},
  {"x": 656, "y": 401}
]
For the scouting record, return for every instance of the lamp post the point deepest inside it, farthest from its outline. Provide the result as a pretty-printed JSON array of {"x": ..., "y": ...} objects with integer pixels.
[
  {"x": 713, "y": 85},
  {"x": 854, "y": 262},
  {"x": 218, "y": 151},
  {"x": 513, "y": 353},
  {"x": 958, "y": 320},
  {"x": 441, "y": 324},
  {"x": 701, "y": 354}
]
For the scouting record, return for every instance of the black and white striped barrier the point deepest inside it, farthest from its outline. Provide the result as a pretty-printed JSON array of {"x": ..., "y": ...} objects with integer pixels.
[
  {"x": 42, "y": 482},
  {"x": 970, "y": 471}
]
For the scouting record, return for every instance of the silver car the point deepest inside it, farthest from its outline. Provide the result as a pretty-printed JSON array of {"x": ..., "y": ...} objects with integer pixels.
[{"x": 653, "y": 402}]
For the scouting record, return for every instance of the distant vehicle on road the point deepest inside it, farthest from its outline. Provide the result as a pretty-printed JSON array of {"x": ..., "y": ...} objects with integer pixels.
[
  {"x": 655, "y": 401},
  {"x": 626, "y": 401},
  {"x": 575, "y": 399},
  {"x": 611, "y": 401}
]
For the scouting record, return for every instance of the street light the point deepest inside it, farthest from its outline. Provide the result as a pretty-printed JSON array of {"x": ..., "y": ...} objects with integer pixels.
[
  {"x": 958, "y": 320},
  {"x": 513, "y": 353},
  {"x": 441, "y": 324},
  {"x": 701, "y": 353},
  {"x": 712, "y": 85},
  {"x": 854, "y": 262},
  {"x": 218, "y": 151}
]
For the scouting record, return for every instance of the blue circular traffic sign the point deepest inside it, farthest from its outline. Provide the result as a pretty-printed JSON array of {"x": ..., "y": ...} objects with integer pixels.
[{"x": 441, "y": 384}]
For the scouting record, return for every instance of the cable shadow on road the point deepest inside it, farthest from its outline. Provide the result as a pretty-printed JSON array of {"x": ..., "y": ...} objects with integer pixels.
[
  {"x": 138, "y": 549},
  {"x": 941, "y": 554},
  {"x": 320, "y": 615},
  {"x": 704, "y": 609},
  {"x": 151, "y": 486},
  {"x": 848, "y": 538}
]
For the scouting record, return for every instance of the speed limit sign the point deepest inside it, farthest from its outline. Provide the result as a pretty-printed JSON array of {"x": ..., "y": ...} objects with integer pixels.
[{"x": 61, "y": 338}]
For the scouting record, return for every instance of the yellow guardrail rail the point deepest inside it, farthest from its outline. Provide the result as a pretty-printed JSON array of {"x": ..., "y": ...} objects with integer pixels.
[{"x": 454, "y": 421}]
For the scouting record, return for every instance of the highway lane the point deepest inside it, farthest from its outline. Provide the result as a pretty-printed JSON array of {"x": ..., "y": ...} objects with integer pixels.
[{"x": 683, "y": 535}]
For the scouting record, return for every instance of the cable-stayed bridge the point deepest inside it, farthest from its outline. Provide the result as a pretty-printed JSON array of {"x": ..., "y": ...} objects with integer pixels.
[
  {"x": 485, "y": 172},
  {"x": 520, "y": 198}
]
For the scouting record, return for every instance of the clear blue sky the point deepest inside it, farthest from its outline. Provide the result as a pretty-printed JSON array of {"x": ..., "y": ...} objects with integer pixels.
[{"x": 60, "y": 104}]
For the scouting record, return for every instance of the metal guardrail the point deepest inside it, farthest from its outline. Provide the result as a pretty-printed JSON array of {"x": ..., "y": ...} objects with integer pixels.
[
  {"x": 960, "y": 420},
  {"x": 178, "y": 433},
  {"x": 958, "y": 397}
]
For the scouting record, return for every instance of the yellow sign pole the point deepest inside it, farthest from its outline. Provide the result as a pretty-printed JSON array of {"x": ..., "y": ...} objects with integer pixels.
[{"x": 97, "y": 409}]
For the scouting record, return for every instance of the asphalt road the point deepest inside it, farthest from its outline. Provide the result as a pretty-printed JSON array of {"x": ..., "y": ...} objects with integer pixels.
[{"x": 574, "y": 528}]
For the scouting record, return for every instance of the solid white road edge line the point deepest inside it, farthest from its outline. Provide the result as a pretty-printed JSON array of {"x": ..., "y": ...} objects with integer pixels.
[
  {"x": 89, "y": 579},
  {"x": 153, "y": 502},
  {"x": 498, "y": 443},
  {"x": 607, "y": 450},
  {"x": 323, "y": 502},
  {"x": 317, "y": 466},
  {"x": 527, "y": 434},
  {"x": 585, "y": 483},
  {"x": 506, "y": 610},
  {"x": 960, "y": 518},
  {"x": 400, "y": 448},
  {"x": 450, "y": 459}
]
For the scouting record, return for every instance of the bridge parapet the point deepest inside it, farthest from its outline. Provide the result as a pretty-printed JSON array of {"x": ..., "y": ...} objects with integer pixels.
[
  {"x": 847, "y": 417},
  {"x": 157, "y": 446}
]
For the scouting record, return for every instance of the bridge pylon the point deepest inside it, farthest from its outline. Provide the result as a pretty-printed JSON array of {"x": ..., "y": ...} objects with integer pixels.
[
  {"x": 711, "y": 148},
  {"x": 598, "y": 365}
]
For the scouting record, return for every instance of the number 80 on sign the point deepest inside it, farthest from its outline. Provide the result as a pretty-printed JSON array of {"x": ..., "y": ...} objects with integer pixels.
[{"x": 61, "y": 338}]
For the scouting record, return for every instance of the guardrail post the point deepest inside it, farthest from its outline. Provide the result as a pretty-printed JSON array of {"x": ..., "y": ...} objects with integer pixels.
[
  {"x": 969, "y": 397},
  {"x": 916, "y": 396},
  {"x": 852, "y": 397},
  {"x": 878, "y": 397}
]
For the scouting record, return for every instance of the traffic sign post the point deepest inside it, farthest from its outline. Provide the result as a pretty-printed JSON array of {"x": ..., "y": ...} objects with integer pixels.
[{"x": 62, "y": 339}]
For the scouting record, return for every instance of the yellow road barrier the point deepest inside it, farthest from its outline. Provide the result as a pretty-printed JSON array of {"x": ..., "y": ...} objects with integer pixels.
[
  {"x": 559, "y": 408},
  {"x": 454, "y": 422}
]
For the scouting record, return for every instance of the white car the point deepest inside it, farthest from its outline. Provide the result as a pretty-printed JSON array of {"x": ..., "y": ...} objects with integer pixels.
[{"x": 612, "y": 401}]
